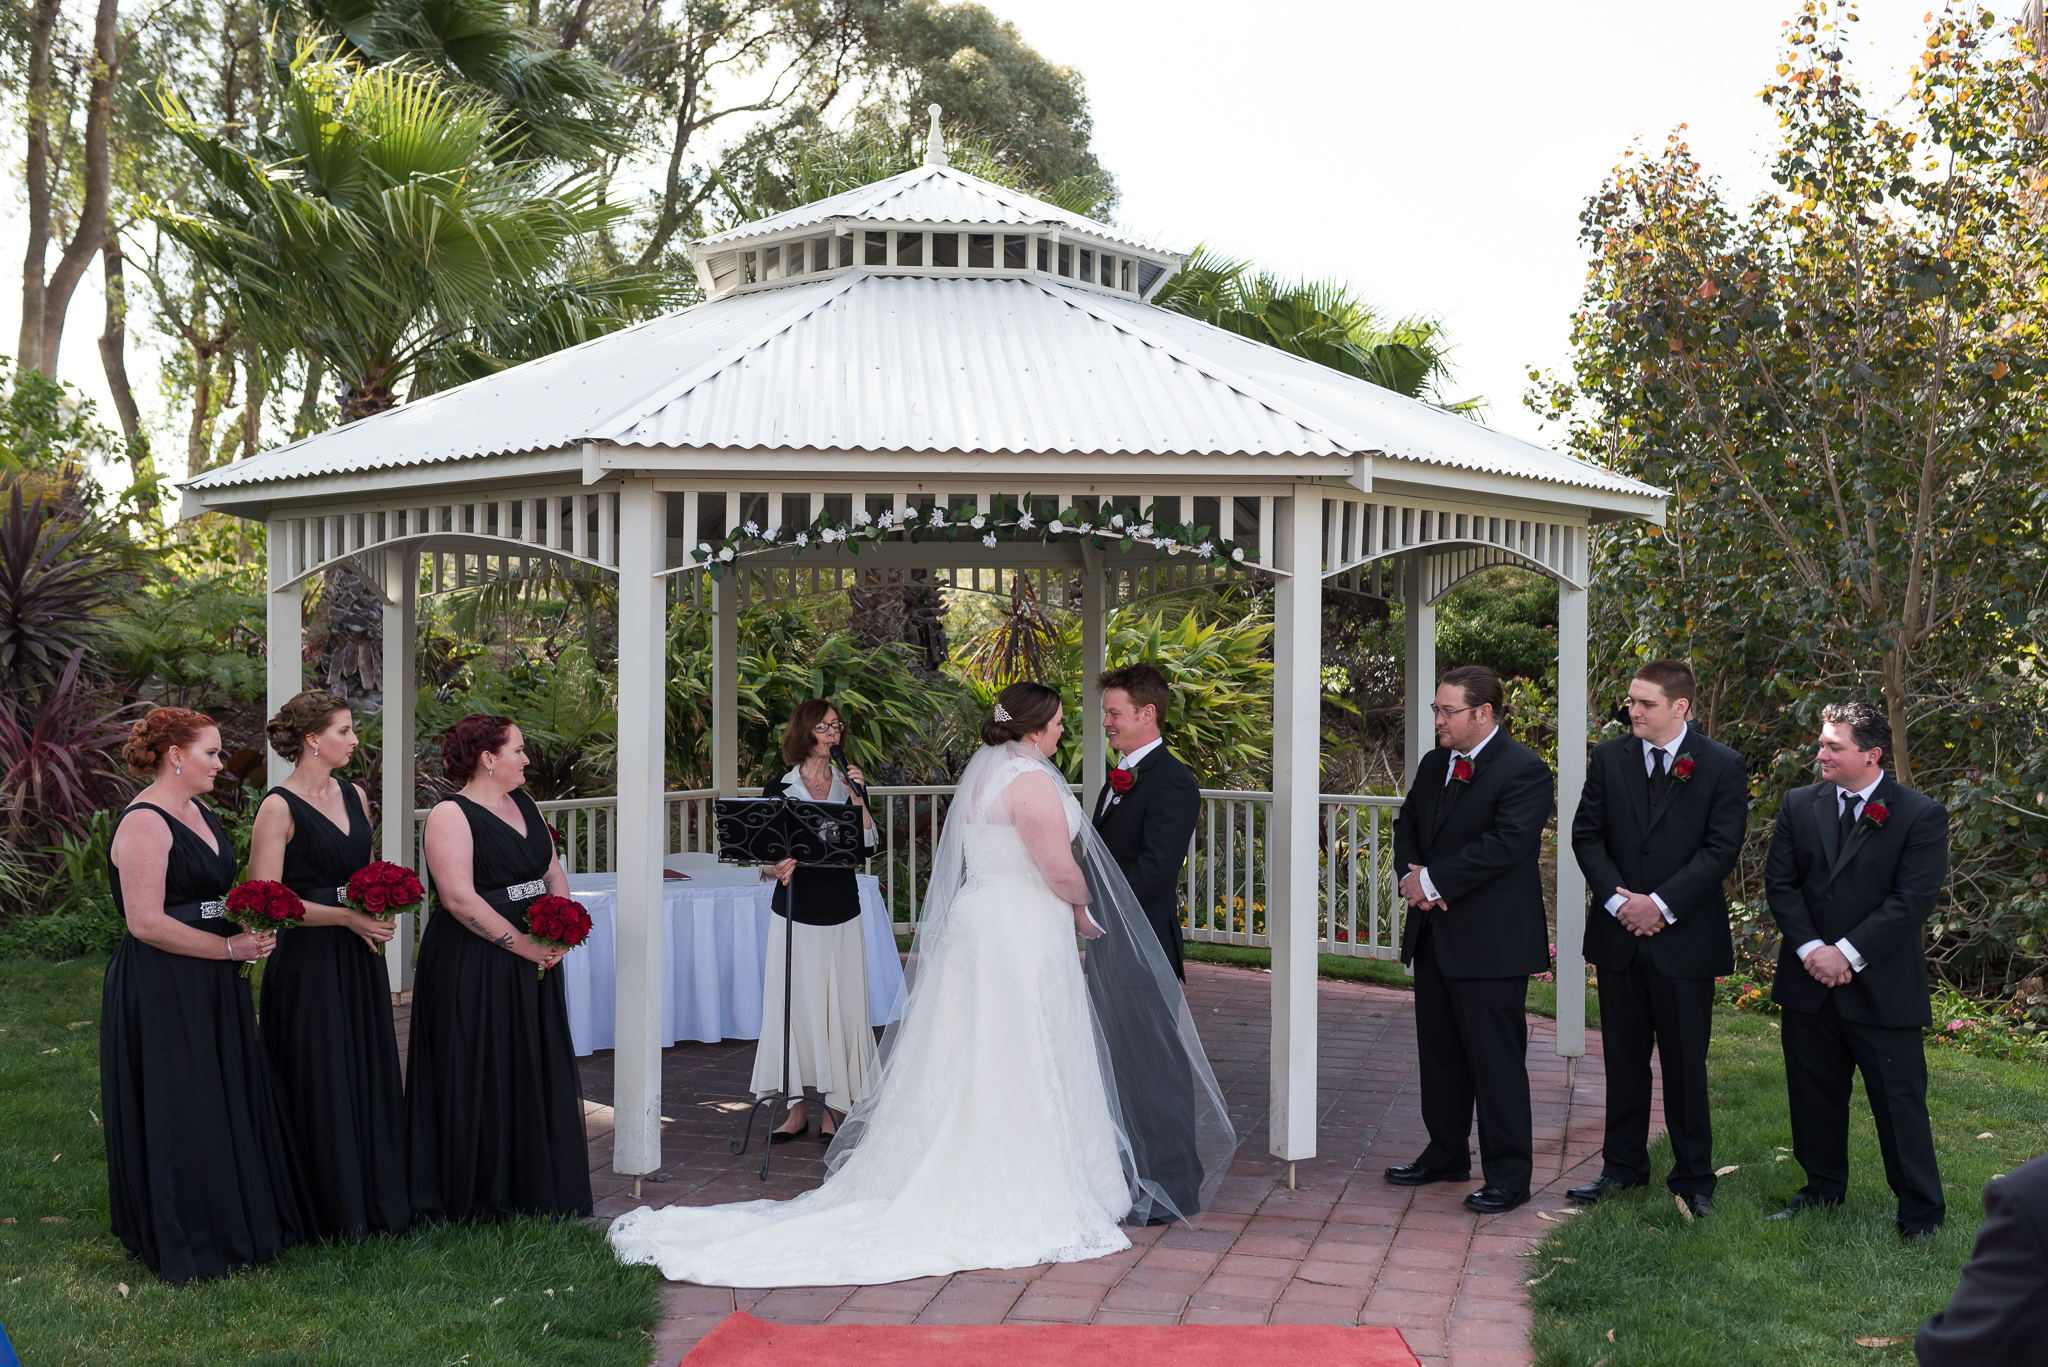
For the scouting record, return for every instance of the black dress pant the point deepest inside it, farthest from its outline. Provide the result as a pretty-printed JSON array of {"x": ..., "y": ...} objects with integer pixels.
[
  {"x": 1472, "y": 1042},
  {"x": 1823, "y": 1052},
  {"x": 1641, "y": 1008}
]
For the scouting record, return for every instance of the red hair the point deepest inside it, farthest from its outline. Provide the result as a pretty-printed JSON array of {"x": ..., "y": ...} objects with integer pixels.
[
  {"x": 468, "y": 741},
  {"x": 150, "y": 739}
]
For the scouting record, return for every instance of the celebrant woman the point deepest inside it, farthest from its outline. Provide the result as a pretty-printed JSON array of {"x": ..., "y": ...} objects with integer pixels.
[
  {"x": 200, "y": 1174},
  {"x": 492, "y": 1094},
  {"x": 831, "y": 1044},
  {"x": 326, "y": 994}
]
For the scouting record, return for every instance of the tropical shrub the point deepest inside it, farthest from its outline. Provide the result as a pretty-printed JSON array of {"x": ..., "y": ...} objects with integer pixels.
[
  {"x": 57, "y": 766},
  {"x": 51, "y": 589}
]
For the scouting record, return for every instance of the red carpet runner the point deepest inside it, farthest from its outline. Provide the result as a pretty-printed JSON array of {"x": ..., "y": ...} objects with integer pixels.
[{"x": 743, "y": 1341}]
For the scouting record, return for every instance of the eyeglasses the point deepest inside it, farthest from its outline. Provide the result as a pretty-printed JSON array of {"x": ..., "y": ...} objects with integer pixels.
[
  {"x": 830, "y": 728},
  {"x": 1446, "y": 713}
]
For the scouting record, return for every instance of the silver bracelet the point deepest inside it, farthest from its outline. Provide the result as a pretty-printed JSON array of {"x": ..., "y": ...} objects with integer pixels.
[{"x": 231, "y": 950}]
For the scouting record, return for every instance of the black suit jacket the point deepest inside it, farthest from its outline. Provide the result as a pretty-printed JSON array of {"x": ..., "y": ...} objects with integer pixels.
[
  {"x": 1482, "y": 861},
  {"x": 1683, "y": 854},
  {"x": 1999, "y": 1314},
  {"x": 1147, "y": 831},
  {"x": 1876, "y": 890}
]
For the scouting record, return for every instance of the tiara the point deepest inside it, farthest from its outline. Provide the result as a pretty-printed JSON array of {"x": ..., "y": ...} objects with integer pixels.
[{"x": 1003, "y": 713}]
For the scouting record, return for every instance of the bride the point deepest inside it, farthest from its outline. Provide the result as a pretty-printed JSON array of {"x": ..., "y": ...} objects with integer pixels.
[{"x": 995, "y": 1134}]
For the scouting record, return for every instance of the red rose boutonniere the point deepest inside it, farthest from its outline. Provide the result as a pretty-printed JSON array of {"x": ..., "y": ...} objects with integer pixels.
[
  {"x": 1874, "y": 814},
  {"x": 1461, "y": 770},
  {"x": 1681, "y": 768},
  {"x": 1123, "y": 780}
]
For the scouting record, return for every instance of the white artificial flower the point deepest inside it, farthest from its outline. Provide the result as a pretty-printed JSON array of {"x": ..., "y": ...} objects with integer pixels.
[
  {"x": 886, "y": 521},
  {"x": 1117, "y": 520},
  {"x": 752, "y": 528},
  {"x": 1171, "y": 547},
  {"x": 989, "y": 540},
  {"x": 704, "y": 546},
  {"x": 1055, "y": 526},
  {"x": 976, "y": 521},
  {"x": 1237, "y": 553},
  {"x": 1144, "y": 529},
  {"x": 936, "y": 514},
  {"x": 861, "y": 517},
  {"x": 1206, "y": 549},
  {"x": 1025, "y": 522},
  {"x": 725, "y": 553},
  {"x": 774, "y": 532},
  {"x": 803, "y": 539}
]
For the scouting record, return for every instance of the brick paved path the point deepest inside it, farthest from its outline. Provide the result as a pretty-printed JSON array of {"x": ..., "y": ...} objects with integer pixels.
[{"x": 1342, "y": 1248}]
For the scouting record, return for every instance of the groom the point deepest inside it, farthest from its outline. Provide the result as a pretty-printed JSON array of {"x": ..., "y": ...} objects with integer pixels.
[{"x": 1145, "y": 818}]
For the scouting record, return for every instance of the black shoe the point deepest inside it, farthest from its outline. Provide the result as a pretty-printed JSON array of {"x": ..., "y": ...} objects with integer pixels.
[
  {"x": 1495, "y": 1200},
  {"x": 1917, "y": 1236},
  {"x": 1700, "y": 1206},
  {"x": 1598, "y": 1188},
  {"x": 1800, "y": 1201},
  {"x": 789, "y": 1136},
  {"x": 1415, "y": 1175}
]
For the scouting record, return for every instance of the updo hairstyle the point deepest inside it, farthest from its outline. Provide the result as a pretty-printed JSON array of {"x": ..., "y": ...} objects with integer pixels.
[
  {"x": 308, "y": 714},
  {"x": 150, "y": 739},
  {"x": 1030, "y": 708},
  {"x": 468, "y": 741}
]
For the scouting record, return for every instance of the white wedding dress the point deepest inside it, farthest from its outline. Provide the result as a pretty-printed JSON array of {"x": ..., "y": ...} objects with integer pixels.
[{"x": 992, "y": 1136}]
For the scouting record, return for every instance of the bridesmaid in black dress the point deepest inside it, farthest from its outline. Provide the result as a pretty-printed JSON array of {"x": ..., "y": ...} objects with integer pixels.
[
  {"x": 326, "y": 994},
  {"x": 200, "y": 1173},
  {"x": 492, "y": 1092}
]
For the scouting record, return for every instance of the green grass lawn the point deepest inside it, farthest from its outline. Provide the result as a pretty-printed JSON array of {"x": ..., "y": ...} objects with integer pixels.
[
  {"x": 528, "y": 1291},
  {"x": 1734, "y": 1289}
]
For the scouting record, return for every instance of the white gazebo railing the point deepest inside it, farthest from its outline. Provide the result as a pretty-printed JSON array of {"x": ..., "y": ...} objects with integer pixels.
[{"x": 1227, "y": 886}]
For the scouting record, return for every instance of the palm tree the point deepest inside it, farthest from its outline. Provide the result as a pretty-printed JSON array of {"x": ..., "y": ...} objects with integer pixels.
[{"x": 1319, "y": 320}]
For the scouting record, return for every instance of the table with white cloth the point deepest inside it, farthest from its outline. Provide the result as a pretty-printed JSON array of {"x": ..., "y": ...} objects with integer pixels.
[{"x": 717, "y": 956}]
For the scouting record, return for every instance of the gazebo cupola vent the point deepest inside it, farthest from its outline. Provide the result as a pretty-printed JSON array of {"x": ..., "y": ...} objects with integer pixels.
[{"x": 931, "y": 221}]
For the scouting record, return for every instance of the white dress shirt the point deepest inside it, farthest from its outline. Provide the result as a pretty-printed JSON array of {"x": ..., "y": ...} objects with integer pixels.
[
  {"x": 793, "y": 783},
  {"x": 1617, "y": 901},
  {"x": 1429, "y": 888},
  {"x": 1848, "y": 950},
  {"x": 1129, "y": 761}
]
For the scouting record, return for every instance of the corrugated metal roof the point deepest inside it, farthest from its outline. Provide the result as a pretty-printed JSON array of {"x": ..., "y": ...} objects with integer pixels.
[
  {"x": 927, "y": 194},
  {"x": 907, "y": 363}
]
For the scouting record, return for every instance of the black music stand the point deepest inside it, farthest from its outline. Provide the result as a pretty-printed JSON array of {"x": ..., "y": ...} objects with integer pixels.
[{"x": 768, "y": 830}]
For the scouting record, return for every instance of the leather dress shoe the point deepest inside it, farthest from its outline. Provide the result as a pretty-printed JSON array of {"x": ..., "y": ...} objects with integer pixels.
[
  {"x": 1917, "y": 1236},
  {"x": 1416, "y": 1175},
  {"x": 1495, "y": 1200},
  {"x": 1700, "y": 1206},
  {"x": 1598, "y": 1188},
  {"x": 789, "y": 1136},
  {"x": 1800, "y": 1201}
]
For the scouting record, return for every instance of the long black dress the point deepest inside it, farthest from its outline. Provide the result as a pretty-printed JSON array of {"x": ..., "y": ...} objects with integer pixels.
[
  {"x": 327, "y": 1023},
  {"x": 201, "y": 1176},
  {"x": 492, "y": 1093}
]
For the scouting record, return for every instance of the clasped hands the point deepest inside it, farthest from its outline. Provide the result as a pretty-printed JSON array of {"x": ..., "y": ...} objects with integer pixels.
[
  {"x": 1829, "y": 966},
  {"x": 1411, "y": 889},
  {"x": 1639, "y": 913}
]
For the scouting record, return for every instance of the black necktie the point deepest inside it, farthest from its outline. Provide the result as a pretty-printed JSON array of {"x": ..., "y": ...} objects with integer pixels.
[
  {"x": 1660, "y": 777},
  {"x": 1850, "y": 802}
]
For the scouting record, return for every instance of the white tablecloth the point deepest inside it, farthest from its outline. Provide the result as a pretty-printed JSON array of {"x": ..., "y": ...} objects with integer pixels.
[{"x": 717, "y": 956}]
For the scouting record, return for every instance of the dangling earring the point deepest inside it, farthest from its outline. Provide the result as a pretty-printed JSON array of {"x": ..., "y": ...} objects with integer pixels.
[
  {"x": 490, "y": 771},
  {"x": 316, "y": 752},
  {"x": 177, "y": 766}
]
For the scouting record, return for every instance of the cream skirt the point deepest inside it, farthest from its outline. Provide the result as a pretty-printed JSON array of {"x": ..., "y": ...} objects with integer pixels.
[{"x": 832, "y": 1046}]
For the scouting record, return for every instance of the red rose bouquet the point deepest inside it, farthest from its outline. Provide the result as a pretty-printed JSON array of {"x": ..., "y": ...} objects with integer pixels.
[
  {"x": 384, "y": 890},
  {"x": 1122, "y": 780},
  {"x": 261, "y": 907},
  {"x": 557, "y": 921}
]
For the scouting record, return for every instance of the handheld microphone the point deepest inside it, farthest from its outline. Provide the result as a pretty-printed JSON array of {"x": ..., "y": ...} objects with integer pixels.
[{"x": 838, "y": 753}]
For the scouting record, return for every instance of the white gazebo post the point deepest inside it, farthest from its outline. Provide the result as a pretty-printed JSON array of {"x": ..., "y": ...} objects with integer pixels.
[
  {"x": 1571, "y": 781},
  {"x": 284, "y": 669},
  {"x": 642, "y": 953},
  {"x": 1420, "y": 660},
  {"x": 725, "y": 685},
  {"x": 401, "y": 606},
  {"x": 1293, "y": 906},
  {"x": 1094, "y": 659}
]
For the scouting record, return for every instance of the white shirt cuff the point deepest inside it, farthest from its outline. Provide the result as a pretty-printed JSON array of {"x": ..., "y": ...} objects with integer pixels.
[
  {"x": 1428, "y": 888},
  {"x": 1669, "y": 919},
  {"x": 1615, "y": 904},
  {"x": 1849, "y": 953},
  {"x": 1808, "y": 948}
]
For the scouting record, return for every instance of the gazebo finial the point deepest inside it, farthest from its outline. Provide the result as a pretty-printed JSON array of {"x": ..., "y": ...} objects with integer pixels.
[{"x": 935, "y": 142}]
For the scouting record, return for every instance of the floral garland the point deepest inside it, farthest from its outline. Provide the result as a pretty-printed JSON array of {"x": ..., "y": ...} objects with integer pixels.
[{"x": 1007, "y": 521}]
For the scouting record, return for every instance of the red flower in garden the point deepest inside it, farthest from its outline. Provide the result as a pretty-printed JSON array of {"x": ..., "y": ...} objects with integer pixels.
[
  {"x": 1122, "y": 780},
  {"x": 1461, "y": 770},
  {"x": 1874, "y": 814},
  {"x": 557, "y": 921},
  {"x": 1681, "y": 769}
]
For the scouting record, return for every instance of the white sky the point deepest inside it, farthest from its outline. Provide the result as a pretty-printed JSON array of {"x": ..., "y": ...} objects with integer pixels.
[{"x": 1436, "y": 158}]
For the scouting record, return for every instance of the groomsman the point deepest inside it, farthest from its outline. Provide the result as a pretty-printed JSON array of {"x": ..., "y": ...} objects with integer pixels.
[
  {"x": 1658, "y": 830},
  {"x": 1465, "y": 849},
  {"x": 1856, "y": 863}
]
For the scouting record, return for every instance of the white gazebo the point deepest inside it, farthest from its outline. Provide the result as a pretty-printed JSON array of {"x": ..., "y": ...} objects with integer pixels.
[{"x": 935, "y": 341}]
